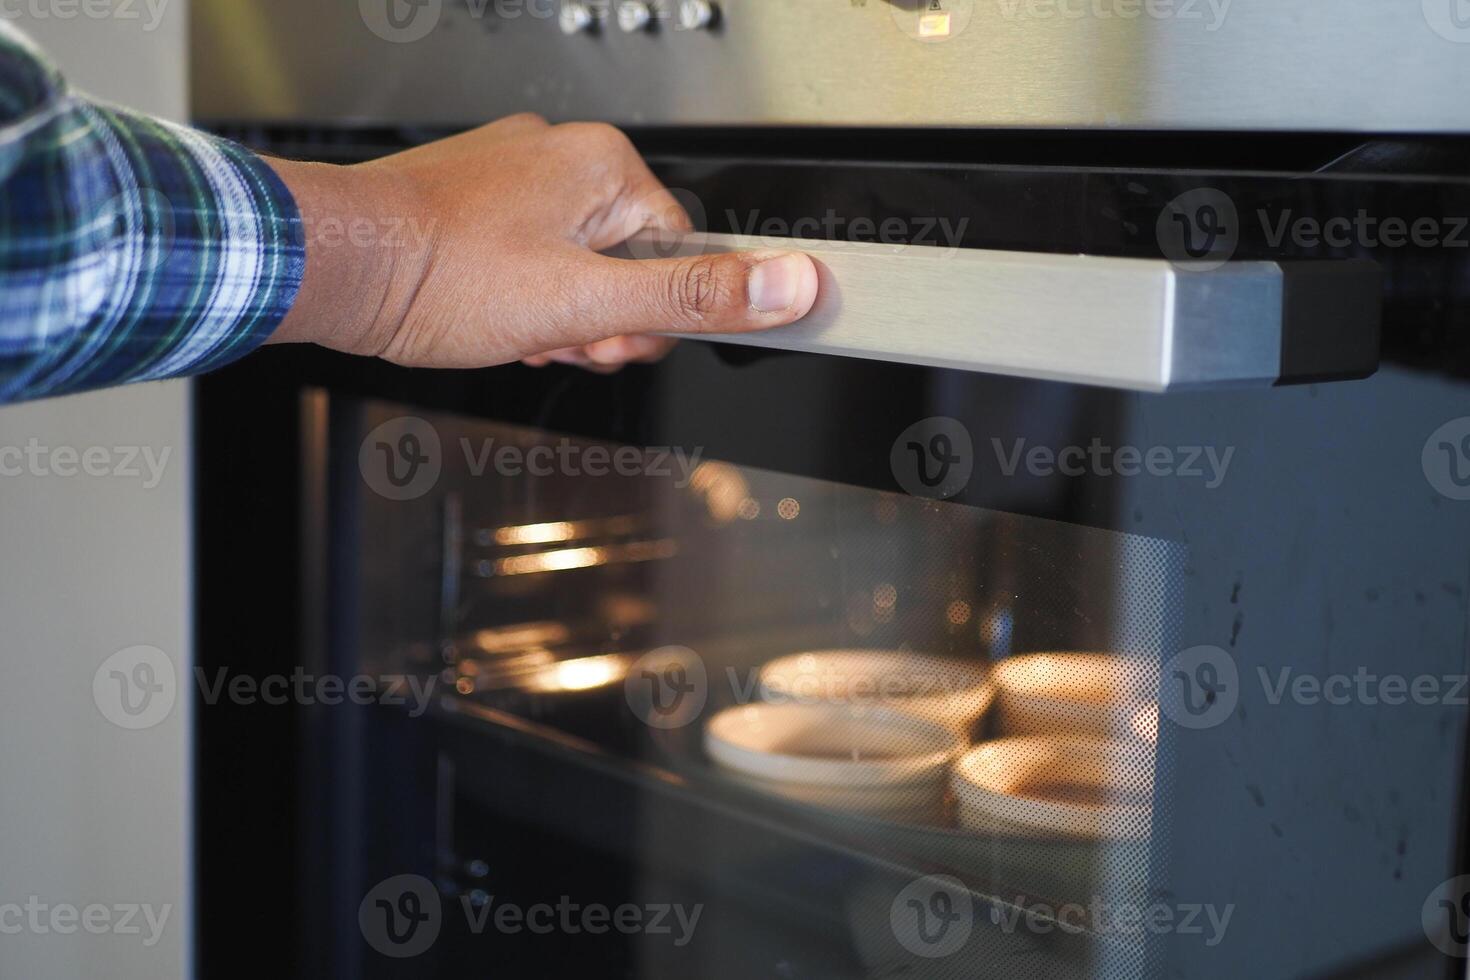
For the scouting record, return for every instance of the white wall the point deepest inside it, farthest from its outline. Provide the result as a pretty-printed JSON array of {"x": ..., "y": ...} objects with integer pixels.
[{"x": 92, "y": 813}]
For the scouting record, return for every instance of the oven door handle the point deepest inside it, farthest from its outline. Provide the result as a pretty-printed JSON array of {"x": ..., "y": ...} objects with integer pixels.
[{"x": 1138, "y": 324}]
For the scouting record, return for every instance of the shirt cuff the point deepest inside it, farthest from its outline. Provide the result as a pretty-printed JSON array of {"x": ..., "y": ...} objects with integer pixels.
[{"x": 183, "y": 252}]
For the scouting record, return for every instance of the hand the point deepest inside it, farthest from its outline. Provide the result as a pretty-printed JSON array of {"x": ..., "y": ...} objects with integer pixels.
[{"x": 483, "y": 249}]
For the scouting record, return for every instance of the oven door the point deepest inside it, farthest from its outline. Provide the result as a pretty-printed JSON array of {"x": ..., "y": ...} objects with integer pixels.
[{"x": 880, "y": 662}]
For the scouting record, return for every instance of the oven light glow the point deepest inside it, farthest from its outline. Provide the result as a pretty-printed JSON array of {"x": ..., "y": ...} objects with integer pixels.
[
  {"x": 549, "y": 533},
  {"x": 552, "y": 561},
  {"x": 582, "y": 674},
  {"x": 566, "y": 559},
  {"x": 724, "y": 489},
  {"x": 506, "y": 639},
  {"x": 934, "y": 25}
]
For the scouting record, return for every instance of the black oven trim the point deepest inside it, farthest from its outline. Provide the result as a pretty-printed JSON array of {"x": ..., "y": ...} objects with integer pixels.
[{"x": 253, "y": 420}]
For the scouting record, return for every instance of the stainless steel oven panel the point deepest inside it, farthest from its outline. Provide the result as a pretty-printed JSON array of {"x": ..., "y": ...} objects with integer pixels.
[
  {"x": 1139, "y": 324},
  {"x": 1351, "y": 65}
]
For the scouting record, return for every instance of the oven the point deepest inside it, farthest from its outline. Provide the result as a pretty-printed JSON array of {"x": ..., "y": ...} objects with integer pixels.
[{"x": 1080, "y": 592}]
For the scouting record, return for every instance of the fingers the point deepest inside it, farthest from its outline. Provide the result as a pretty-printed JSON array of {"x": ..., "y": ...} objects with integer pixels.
[
  {"x": 639, "y": 348},
  {"x": 627, "y": 300},
  {"x": 649, "y": 205},
  {"x": 609, "y": 354},
  {"x": 615, "y": 195},
  {"x": 723, "y": 293},
  {"x": 645, "y": 203},
  {"x": 521, "y": 124},
  {"x": 733, "y": 292}
]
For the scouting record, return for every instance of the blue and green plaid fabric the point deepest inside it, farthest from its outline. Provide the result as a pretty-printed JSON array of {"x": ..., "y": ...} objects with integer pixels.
[{"x": 130, "y": 249}]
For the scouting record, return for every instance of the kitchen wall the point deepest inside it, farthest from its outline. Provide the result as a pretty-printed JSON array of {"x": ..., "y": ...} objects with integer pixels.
[{"x": 94, "y": 815}]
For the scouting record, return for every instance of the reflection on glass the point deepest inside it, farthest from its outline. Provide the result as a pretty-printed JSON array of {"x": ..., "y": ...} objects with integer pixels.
[
  {"x": 565, "y": 559},
  {"x": 906, "y": 683},
  {"x": 582, "y": 674}
]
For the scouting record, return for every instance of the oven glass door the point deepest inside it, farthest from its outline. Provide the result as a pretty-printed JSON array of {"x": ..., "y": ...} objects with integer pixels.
[
  {"x": 771, "y": 663},
  {"x": 825, "y": 668}
]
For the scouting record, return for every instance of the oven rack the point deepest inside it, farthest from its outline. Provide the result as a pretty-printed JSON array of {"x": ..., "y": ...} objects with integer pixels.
[{"x": 582, "y": 787}]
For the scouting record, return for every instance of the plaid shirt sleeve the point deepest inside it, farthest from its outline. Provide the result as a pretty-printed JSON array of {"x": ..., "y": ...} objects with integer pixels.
[{"x": 130, "y": 249}]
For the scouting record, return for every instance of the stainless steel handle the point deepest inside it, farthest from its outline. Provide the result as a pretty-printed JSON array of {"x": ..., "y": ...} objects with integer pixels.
[{"x": 1140, "y": 324}]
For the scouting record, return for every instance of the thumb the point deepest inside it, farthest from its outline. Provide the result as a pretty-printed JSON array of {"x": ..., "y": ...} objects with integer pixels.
[{"x": 730, "y": 292}]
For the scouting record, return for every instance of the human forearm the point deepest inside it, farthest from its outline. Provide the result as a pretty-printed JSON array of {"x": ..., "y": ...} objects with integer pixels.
[
  {"x": 366, "y": 254},
  {"x": 130, "y": 249}
]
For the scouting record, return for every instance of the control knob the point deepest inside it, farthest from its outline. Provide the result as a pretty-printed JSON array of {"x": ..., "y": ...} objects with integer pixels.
[
  {"x": 634, "y": 16},
  {"x": 575, "y": 17},
  {"x": 696, "y": 14}
]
